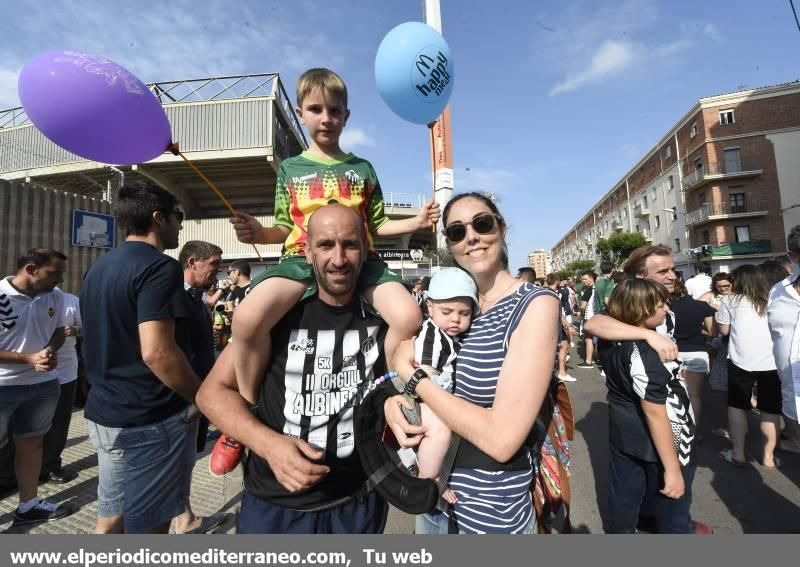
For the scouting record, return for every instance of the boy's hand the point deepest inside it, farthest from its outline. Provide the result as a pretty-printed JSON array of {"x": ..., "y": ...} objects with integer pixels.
[
  {"x": 429, "y": 215},
  {"x": 248, "y": 229},
  {"x": 673, "y": 484}
]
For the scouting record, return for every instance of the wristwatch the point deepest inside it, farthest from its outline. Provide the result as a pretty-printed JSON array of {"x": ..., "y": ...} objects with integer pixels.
[{"x": 411, "y": 385}]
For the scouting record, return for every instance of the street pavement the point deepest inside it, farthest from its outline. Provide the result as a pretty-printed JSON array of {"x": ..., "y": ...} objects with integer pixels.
[{"x": 732, "y": 500}]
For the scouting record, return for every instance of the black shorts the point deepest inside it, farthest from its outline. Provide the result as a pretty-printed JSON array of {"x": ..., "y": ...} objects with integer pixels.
[{"x": 740, "y": 389}]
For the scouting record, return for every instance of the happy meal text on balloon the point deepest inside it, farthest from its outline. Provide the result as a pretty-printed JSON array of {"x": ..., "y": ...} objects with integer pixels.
[{"x": 434, "y": 71}]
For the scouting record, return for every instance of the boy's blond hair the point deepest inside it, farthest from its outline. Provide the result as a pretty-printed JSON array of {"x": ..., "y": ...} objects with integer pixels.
[
  {"x": 635, "y": 299},
  {"x": 323, "y": 79}
]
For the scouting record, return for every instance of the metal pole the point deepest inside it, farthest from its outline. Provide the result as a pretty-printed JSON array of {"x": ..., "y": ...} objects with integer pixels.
[{"x": 440, "y": 140}]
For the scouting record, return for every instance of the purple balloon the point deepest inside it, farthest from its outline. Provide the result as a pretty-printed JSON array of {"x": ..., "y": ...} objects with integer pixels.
[{"x": 93, "y": 107}]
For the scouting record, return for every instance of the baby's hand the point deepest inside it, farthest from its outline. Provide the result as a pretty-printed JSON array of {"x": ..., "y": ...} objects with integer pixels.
[{"x": 450, "y": 496}]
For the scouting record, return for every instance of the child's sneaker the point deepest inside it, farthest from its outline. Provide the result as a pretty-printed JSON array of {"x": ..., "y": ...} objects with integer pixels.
[{"x": 225, "y": 456}]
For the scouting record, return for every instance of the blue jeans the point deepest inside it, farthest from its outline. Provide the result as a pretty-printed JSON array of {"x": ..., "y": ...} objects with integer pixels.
[
  {"x": 436, "y": 523},
  {"x": 631, "y": 481},
  {"x": 145, "y": 472},
  {"x": 27, "y": 411},
  {"x": 365, "y": 515}
]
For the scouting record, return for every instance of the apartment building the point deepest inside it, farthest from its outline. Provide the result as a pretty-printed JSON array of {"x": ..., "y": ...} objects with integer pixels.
[
  {"x": 539, "y": 260},
  {"x": 722, "y": 184}
]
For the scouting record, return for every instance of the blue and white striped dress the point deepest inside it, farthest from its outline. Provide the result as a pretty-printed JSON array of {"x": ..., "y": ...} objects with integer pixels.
[{"x": 491, "y": 501}]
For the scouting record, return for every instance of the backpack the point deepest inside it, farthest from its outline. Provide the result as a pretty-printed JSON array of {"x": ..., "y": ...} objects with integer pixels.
[{"x": 553, "y": 431}]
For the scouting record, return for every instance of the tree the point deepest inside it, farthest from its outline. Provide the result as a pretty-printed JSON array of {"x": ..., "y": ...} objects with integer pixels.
[
  {"x": 617, "y": 247},
  {"x": 574, "y": 269}
]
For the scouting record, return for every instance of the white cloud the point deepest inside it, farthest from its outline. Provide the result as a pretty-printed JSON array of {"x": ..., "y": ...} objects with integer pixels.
[
  {"x": 610, "y": 58},
  {"x": 8, "y": 88},
  {"x": 355, "y": 137},
  {"x": 484, "y": 180},
  {"x": 178, "y": 40},
  {"x": 674, "y": 47},
  {"x": 712, "y": 31}
]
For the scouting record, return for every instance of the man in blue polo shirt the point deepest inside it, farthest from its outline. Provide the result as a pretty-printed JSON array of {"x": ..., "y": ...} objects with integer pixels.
[{"x": 140, "y": 411}]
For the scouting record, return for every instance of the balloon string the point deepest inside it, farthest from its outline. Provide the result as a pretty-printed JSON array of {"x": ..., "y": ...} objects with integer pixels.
[
  {"x": 433, "y": 167},
  {"x": 174, "y": 149}
]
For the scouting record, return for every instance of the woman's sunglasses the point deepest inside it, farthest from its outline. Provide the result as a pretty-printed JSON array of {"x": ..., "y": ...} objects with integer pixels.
[{"x": 482, "y": 223}]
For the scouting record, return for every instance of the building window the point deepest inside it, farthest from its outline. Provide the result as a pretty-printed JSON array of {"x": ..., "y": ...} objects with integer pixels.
[
  {"x": 658, "y": 221},
  {"x": 671, "y": 183},
  {"x": 737, "y": 202},
  {"x": 698, "y": 166},
  {"x": 743, "y": 233},
  {"x": 644, "y": 201},
  {"x": 677, "y": 245},
  {"x": 668, "y": 153},
  {"x": 674, "y": 213},
  {"x": 655, "y": 195},
  {"x": 706, "y": 237},
  {"x": 727, "y": 116},
  {"x": 733, "y": 161},
  {"x": 701, "y": 199},
  {"x": 693, "y": 131}
]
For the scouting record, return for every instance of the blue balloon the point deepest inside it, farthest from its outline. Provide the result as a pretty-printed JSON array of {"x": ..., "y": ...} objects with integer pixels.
[{"x": 414, "y": 72}]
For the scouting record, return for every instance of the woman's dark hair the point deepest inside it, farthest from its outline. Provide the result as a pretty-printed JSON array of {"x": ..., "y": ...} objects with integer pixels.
[
  {"x": 751, "y": 282},
  {"x": 501, "y": 222},
  {"x": 136, "y": 203},
  {"x": 679, "y": 288},
  {"x": 774, "y": 271},
  {"x": 718, "y": 277}
]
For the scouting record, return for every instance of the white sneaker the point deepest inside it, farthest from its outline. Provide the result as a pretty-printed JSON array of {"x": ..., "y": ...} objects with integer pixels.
[
  {"x": 568, "y": 357},
  {"x": 603, "y": 373},
  {"x": 567, "y": 378}
]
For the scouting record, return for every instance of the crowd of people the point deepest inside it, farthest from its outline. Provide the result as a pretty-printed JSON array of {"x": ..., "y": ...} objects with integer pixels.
[{"x": 280, "y": 364}]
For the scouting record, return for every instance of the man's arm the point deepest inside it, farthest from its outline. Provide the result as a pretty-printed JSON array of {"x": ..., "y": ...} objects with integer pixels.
[
  {"x": 162, "y": 355},
  {"x": 610, "y": 329},
  {"x": 291, "y": 460}
]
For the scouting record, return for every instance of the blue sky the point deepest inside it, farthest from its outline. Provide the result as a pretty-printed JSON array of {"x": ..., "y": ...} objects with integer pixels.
[{"x": 554, "y": 100}]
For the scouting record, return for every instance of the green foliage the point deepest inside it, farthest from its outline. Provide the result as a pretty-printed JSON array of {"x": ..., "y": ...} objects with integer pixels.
[
  {"x": 574, "y": 269},
  {"x": 617, "y": 247}
]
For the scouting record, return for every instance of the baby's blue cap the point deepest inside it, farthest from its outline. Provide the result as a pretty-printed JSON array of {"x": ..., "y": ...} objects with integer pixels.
[{"x": 450, "y": 283}]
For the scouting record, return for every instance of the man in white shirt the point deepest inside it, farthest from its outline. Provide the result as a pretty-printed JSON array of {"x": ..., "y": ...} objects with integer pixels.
[
  {"x": 699, "y": 284},
  {"x": 56, "y": 439},
  {"x": 31, "y": 332},
  {"x": 783, "y": 314}
]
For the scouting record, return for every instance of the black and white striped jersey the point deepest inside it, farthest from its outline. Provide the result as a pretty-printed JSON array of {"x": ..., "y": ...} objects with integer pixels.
[
  {"x": 324, "y": 360},
  {"x": 634, "y": 372}
]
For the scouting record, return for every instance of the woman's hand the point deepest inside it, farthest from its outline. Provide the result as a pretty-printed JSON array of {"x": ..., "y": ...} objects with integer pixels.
[{"x": 407, "y": 435}]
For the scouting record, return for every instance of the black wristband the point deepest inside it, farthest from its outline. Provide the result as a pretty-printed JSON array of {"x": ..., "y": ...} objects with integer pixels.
[{"x": 413, "y": 382}]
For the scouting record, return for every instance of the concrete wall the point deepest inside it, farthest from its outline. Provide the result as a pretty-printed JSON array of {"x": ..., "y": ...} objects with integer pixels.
[{"x": 31, "y": 216}]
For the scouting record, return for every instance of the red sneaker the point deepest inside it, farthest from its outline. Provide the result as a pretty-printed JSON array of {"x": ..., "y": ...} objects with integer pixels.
[
  {"x": 701, "y": 529},
  {"x": 225, "y": 456}
]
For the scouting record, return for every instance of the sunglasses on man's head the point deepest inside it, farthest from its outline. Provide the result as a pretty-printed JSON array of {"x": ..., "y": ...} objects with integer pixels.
[{"x": 482, "y": 223}]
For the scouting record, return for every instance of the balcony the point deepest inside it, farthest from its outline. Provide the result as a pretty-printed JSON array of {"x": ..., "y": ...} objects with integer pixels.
[
  {"x": 641, "y": 212},
  {"x": 616, "y": 226},
  {"x": 717, "y": 171},
  {"x": 710, "y": 212},
  {"x": 738, "y": 248}
]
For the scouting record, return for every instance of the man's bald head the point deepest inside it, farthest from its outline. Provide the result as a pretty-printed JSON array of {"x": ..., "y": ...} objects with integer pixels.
[
  {"x": 336, "y": 249},
  {"x": 339, "y": 215}
]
